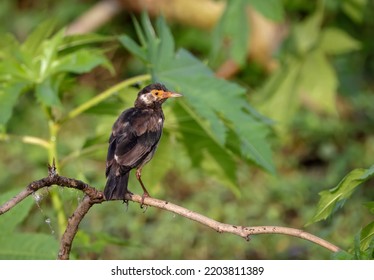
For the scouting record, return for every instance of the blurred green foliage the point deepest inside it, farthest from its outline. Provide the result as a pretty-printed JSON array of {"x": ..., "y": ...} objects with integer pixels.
[{"x": 59, "y": 96}]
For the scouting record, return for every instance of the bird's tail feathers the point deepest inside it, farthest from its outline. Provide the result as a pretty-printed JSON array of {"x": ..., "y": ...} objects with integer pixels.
[{"x": 116, "y": 185}]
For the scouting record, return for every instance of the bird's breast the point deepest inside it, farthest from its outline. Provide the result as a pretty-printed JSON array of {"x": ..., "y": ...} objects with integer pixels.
[{"x": 148, "y": 121}]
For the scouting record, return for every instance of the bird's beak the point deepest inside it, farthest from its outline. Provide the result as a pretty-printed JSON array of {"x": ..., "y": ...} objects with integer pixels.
[{"x": 168, "y": 94}]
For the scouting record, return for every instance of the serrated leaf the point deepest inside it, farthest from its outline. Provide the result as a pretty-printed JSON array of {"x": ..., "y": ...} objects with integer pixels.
[
  {"x": 166, "y": 48},
  {"x": 306, "y": 33},
  {"x": 333, "y": 199},
  {"x": 233, "y": 25},
  {"x": 366, "y": 236},
  {"x": 13, "y": 218},
  {"x": 318, "y": 87},
  {"x": 214, "y": 101},
  {"x": 8, "y": 44},
  {"x": 280, "y": 97},
  {"x": 28, "y": 246},
  {"x": 335, "y": 41},
  {"x": 81, "y": 61},
  {"x": 83, "y": 40},
  {"x": 151, "y": 38},
  {"x": 139, "y": 32},
  {"x": 47, "y": 93},
  {"x": 48, "y": 55},
  {"x": 15, "y": 65},
  {"x": 132, "y": 47},
  {"x": 34, "y": 41},
  {"x": 272, "y": 9},
  {"x": 198, "y": 144},
  {"x": 9, "y": 94}
]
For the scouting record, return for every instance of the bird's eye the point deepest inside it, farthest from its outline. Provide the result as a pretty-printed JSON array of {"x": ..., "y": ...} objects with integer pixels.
[{"x": 156, "y": 93}]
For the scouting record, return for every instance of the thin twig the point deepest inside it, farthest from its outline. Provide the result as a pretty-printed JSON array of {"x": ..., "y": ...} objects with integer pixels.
[
  {"x": 241, "y": 231},
  {"x": 94, "y": 196},
  {"x": 53, "y": 179},
  {"x": 72, "y": 227}
]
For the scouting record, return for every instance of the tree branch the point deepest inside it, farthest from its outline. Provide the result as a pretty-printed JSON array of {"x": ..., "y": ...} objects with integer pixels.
[
  {"x": 94, "y": 196},
  {"x": 72, "y": 227}
]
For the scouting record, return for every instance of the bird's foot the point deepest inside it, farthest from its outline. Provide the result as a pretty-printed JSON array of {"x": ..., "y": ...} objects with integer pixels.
[
  {"x": 145, "y": 194},
  {"x": 126, "y": 201}
]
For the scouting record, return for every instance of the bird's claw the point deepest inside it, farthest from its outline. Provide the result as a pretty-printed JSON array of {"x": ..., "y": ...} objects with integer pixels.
[
  {"x": 126, "y": 201},
  {"x": 145, "y": 194}
]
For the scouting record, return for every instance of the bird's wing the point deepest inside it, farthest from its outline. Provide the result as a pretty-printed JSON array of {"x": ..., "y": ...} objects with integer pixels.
[{"x": 135, "y": 135}]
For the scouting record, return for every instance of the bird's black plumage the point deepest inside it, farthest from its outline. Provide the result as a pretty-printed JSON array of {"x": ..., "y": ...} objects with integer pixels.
[{"x": 134, "y": 138}]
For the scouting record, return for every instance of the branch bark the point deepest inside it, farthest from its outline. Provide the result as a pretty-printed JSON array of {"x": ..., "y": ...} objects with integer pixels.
[{"x": 94, "y": 196}]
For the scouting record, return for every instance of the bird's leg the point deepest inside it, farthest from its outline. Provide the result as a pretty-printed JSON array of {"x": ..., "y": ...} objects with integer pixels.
[{"x": 145, "y": 192}]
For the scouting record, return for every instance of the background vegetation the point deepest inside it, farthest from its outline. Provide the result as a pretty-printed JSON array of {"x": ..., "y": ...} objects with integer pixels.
[{"x": 291, "y": 118}]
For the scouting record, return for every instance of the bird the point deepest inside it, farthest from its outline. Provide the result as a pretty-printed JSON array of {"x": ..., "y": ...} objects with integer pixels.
[{"x": 134, "y": 139}]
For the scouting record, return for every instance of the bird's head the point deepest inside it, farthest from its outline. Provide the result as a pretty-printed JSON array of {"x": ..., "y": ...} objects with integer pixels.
[{"x": 154, "y": 95}]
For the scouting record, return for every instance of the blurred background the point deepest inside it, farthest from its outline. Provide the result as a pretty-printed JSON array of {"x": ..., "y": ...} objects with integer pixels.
[{"x": 306, "y": 69}]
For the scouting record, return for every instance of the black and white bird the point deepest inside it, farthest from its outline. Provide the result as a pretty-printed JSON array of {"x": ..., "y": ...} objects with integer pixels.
[{"x": 134, "y": 138}]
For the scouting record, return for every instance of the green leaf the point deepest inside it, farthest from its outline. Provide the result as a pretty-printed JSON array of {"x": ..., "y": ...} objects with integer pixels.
[
  {"x": 355, "y": 9},
  {"x": 48, "y": 55},
  {"x": 27, "y": 246},
  {"x": 166, "y": 48},
  {"x": 8, "y": 45},
  {"x": 9, "y": 94},
  {"x": 217, "y": 102},
  {"x": 220, "y": 105},
  {"x": 333, "y": 199},
  {"x": 72, "y": 42},
  {"x": 47, "y": 93},
  {"x": 35, "y": 40},
  {"x": 132, "y": 47},
  {"x": 198, "y": 144},
  {"x": 272, "y": 9},
  {"x": 335, "y": 41},
  {"x": 15, "y": 65},
  {"x": 279, "y": 97},
  {"x": 370, "y": 206},
  {"x": 342, "y": 255},
  {"x": 306, "y": 34},
  {"x": 81, "y": 61},
  {"x": 233, "y": 25},
  {"x": 318, "y": 87},
  {"x": 366, "y": 236},
  {"x": 13, "y": 218},
  {"x": 153, "y": 42}
]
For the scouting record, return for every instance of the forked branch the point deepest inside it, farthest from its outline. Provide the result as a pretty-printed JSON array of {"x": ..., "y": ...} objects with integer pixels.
[{"x": 94, "y": 196}]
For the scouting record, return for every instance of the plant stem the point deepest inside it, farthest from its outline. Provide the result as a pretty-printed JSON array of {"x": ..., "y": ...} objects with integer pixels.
[
  {"x": 26, "y": 139},
  {"x": 53, "y": 157},
  {"x": 104, "y": 95}
]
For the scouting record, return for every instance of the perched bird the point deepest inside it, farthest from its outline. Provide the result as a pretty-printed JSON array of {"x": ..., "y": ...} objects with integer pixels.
[{"x": 134, "y": 138}]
